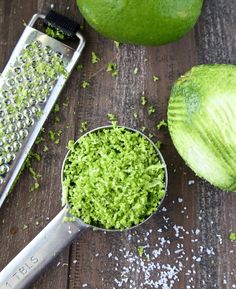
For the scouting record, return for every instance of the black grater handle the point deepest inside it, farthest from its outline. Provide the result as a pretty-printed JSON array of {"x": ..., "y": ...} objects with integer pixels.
[{"x": 57, "y": 21}]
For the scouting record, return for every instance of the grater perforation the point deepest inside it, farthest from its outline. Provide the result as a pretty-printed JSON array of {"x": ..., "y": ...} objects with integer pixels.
[{"x": 29, "y": 87}]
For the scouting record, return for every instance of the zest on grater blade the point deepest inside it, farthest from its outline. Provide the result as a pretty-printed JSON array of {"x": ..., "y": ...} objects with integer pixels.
[{"x": 29, "y": 87}]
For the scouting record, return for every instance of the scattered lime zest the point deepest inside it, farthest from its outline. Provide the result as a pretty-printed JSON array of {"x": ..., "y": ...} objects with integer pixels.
[
  {"x": 161, "y": 124},
  {"x": 151, "y": 110},
  {"x": 94, "y": 58},
  {"x": 56, "y": 108},
  {"x": 111, "y": 117},
  {"x": 135, "y": 115},
  {"x": 39, "y": 139},
  {"x": 232, "y": 236},
  {"x": 35, "y": 155},
  {"x": 84, "y": 126},
  {"x": 158, "y": 144},
  {"x": 112, "y": 67},
  {"x": 34, "y": 187},
  {"x": 79, "y": 67},
  {"x": 140, "y": 251},
  {"x": 143, "y": 100},
  {"x": 54, "y": 136},
  {"x": 85, "y": 84},
  {"x": 45, "y": 148},
  {"x": 150, "y": 135},
  {"x": 57, "y": 119},
  {"x": 28, "y": 164},
  {"x": 117, "y": 44},
  {"x": 143, "y": 128},
  {"x": 155, "y": 78}
]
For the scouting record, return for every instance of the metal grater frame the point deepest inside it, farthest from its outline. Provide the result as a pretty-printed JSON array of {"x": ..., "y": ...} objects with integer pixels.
[{"x": 70, "y": 57}]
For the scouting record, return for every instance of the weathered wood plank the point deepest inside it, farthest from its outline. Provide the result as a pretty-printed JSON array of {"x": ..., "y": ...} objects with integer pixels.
[{"x": 96, "y": 259}]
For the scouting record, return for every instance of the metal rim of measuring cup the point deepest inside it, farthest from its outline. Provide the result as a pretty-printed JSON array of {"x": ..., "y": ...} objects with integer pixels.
[{"x": 160, "y": 157}]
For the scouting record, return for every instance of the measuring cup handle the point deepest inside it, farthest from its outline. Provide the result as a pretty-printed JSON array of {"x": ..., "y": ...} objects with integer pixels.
[{"x": 33, "y": 259}]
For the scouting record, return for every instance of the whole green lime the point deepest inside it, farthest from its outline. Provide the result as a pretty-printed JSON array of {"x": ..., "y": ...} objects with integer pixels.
[{"x": 147, "y": 22}]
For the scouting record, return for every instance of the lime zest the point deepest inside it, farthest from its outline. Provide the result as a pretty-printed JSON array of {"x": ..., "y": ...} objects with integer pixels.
[
  {"x": 143, "y": 100},
  {"x": 94, "y": 58},
  {"x": 232, "y": 236},
  {"x": 151, "y": 110},
  {"x": 161, "y": 124},
  {"x": 155, "y": 78},
  {"x": 85, "y": 84},
  {"x": 113, "y": 178},
  {"x": 112, "y": 67}
]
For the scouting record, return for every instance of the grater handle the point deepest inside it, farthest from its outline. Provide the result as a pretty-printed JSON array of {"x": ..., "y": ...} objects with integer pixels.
[
  {"x": 33, "y": 259},
  {"x": 35, "y": 18}
]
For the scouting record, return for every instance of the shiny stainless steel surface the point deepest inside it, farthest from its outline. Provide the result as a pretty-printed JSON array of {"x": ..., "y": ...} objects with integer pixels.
[{"x": 10, "y": 167}]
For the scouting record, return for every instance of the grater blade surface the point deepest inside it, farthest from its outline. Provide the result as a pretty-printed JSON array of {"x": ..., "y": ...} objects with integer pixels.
[{"x": 29, "y": 87}]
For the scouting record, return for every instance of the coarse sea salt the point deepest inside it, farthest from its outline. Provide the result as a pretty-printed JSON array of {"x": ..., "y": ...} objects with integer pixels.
[{"x": 177, "y": 253}]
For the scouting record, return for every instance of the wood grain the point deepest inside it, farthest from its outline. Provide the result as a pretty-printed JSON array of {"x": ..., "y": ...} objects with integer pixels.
[{"x": 91, "y": 258}]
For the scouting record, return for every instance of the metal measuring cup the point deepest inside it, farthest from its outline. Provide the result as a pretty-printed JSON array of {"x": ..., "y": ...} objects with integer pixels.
[{"x": 33, "y": 259}]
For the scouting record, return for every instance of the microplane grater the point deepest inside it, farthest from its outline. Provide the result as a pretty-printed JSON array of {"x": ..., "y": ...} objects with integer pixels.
[{"x": 27, "y": 95}]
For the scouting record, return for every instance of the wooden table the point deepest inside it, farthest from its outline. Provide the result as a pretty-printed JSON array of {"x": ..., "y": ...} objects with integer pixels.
[{"x": 194, "y": 224}]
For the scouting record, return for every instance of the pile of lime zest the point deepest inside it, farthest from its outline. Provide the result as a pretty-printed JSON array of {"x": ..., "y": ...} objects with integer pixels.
[
  {"x": 85, "y": 84},
  {"x": 161, "y": 124},
  {"x": 83, "y": 126},
  {"x": 143, "y": 100},
  {"x": 151, "y": 110},
  {"x": 54, "y": 32},
  {"x": 232, "y": 236},
  {"x": 112, "y": 67},
  {"x": 94, "y": 58},
  {"x": 113, "y": 178}
]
